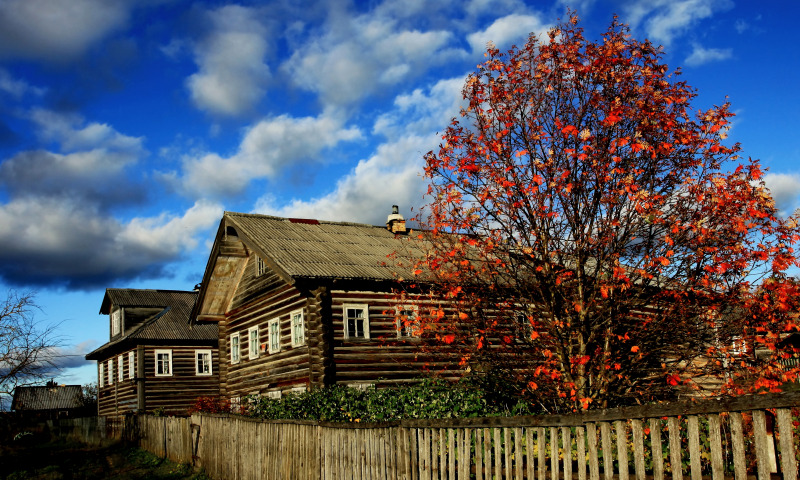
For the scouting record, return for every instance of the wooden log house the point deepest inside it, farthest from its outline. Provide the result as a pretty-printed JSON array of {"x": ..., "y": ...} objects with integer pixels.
[
  {"x": 302, "y": 304},
  {"x": 155, "y": 361}
]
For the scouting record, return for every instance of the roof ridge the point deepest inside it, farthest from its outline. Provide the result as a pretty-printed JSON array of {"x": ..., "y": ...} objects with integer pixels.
[
  {"x": 290, "y": 219},
  {"x": 160, "y": 290}
]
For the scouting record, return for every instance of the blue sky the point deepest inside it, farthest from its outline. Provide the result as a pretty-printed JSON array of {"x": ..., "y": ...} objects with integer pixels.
[{"x": 128, "y": 127}]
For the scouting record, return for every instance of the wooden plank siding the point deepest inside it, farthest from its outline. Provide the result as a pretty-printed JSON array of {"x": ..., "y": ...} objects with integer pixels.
[
  {"x": 256, "y": 301},
  {"x": 173, "y": 394}
]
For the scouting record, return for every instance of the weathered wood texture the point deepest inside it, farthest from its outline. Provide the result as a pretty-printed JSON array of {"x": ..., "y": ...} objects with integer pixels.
[
  {"x": 716, "y": 444},
  {"x": 173, "y": 394}
]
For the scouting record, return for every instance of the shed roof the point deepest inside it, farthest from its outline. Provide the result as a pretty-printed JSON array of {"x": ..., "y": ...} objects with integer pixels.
[{"x": 50, "y": 397}]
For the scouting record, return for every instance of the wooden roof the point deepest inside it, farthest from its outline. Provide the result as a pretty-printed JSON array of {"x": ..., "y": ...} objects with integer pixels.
[
  {"x": 302, "y": 248},
  {"x": 50, "y": 397},
  {"x": 169, "y": 325}
]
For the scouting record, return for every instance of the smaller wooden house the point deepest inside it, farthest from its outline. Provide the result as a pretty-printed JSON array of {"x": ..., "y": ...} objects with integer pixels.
[
  {"x": 154, "y": 360},
  {"x": 51, "y": 401}
]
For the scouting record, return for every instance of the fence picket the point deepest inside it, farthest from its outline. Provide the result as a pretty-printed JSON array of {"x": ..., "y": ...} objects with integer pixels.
[{"x": 674, "y": 425}]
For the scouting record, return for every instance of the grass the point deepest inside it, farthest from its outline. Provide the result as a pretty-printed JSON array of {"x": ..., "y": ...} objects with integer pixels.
[{"x": 55, "y": 461}]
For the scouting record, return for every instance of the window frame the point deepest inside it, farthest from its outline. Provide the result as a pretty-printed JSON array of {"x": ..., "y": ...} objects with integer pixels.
[
  {"x": 168, "y": 353},
  {"x": 120, "y": 368},
  {"x": 110, "y": 372},
  {"x": 197, "y": 362},
  {"x": 405, "y": 331},
  {"x": 235, "y": 351},
  {"x": 101, "y": 373},
  {"x": 253, "y": 347},
  {"x": 271, "y": 346},
  {"x": 365, "y": 327},
  {"x": 131, "y": 365},
  {"x": 302, "y": 327},
  {"x": 261, "y": 267},
  {"x": 116, "y": 322}
]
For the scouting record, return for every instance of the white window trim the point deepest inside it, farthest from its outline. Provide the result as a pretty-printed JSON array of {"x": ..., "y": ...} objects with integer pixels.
[
  {"x": 101, "y": 372},
  {"x": 362, "y": 306},
  {"x": 110, "y": 372},
  {"x": 302, "y": 327},
  {"x": 120, "y": 368},
  {"x": 116, "y": 322},
  {"x": 236, "y": 353},
  {"x": 407, "y": 331},
  {"x": 253, "y": 347},
  {"x": 274, "y": 394},
  {"x": 270, "y": 346},
  {"x": 197, "y": 370},
  {"x": 169, "y": 365},
  {"x": 131, "y": 365}
]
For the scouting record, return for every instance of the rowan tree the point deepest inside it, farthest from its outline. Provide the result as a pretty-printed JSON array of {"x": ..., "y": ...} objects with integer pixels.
[{"x": 598, "y": 238}]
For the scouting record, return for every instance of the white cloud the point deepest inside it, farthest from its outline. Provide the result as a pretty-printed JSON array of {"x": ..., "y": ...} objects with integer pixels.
[
  {"x": 267, "y": 148},
  {"x": 232, "y": 72},
  {"x": 17, "y": 88},
  {"x": 663, "y": 20},
  {"x": 393, "y": 174},
  {"x": 57, "y": 30},
  {"x": 62, "y": 242},
  {"x": 702, "y": 55},
  {"x": 90, "y": 167},
  {"x": 359, "y": 56},
  {"x": 507, "y": 30},
  {"x": 785, "y": 188}
]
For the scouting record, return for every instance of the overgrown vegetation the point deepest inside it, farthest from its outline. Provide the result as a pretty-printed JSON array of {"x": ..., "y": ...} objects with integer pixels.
[{"x": 471, "y": 397}]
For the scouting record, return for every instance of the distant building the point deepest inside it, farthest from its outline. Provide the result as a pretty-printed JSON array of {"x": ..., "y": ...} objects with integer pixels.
[{"x": 51, "y": 400}]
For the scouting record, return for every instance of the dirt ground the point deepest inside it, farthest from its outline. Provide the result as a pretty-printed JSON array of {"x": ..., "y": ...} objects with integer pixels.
[{"x": 29, "y": 459}]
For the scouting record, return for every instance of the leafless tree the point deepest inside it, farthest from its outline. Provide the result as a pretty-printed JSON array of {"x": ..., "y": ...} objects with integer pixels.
[{"x": 28, "y": 349}]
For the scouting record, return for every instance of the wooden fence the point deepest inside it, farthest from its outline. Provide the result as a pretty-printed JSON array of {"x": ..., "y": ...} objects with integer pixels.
[{"x": 731, "y": 438}]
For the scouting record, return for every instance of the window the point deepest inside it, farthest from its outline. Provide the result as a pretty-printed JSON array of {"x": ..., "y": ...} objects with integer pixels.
[
  {"x": 116, "y": 321},
  {"x": 274, "y": 327},
  {"x": 131, "y": 364},
  {"x": 261, "y": 267},
  {"x": 120, "y": 369},
  {"x": 110, "y": 366},
  {"x": 202, "y": 362},
  {"x": 356, "y": 321},
  {"x": 234, "y": 348},
  {"x": 100, "y": 373},
  {"x": 298, "y": 328},
  {"x": 252, "y": 342},
  {"x": 163, "y": 363},
  {"x": 408, "y": 321},
  {"x": 524, "y": 327},
  {"x": 273, "y": 394}
]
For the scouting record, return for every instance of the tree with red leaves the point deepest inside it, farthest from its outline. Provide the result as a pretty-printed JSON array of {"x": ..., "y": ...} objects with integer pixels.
[{"x": 597, "y": 239}]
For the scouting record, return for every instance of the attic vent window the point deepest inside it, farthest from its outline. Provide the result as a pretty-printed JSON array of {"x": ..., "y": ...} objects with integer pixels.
[
  {"x": 261, "y": 267},
  {"x": 231, "y": 232}
]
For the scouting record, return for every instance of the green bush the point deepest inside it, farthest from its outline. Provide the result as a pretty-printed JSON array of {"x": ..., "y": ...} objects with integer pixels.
[{"x": 428, "y": 399}]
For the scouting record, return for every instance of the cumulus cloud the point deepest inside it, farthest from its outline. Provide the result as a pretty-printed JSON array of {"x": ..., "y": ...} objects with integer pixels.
[
  {"x": 269, "y": 146},
  {"x": 784, "y": 188},
  {"x": 358, "y": 56},
  {"x": 393, "y": 174},
  {"x": 702, "y": 55},
  {"x": 663, "y": 20},
  {"x": 232, "y": 72},
  {"x": 55, "y": 30},
  {"x": 506, "y": 31},
  {"x": 91, "y": 165},
  {"x": 59, "y": 242}
]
